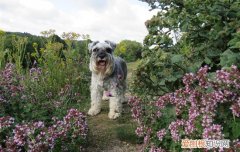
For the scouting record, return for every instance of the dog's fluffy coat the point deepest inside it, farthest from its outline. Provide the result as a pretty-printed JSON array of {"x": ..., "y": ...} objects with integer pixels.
[{"x": 108, "y": 74}]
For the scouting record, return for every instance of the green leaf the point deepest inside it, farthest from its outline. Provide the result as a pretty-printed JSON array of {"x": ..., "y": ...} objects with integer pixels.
[
  {"x": 153, "y": 78},
  {"x": 172, "y": 78},
  {"x": 195, "y": 66},
  {"x": 177, "y": 58},
  {"x": 213, "y": 53},
  {"x": 229, "y": 58},
  {"x": 235, "y": 130},
  {"x": 207, "y": 60}
]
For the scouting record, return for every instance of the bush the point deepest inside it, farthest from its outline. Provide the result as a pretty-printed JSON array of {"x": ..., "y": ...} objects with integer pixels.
[
  {"x": 129, "y": 50},
  {"x": 53, "y": 92},
  {"x": 184, "y": 36},
  {"x": 32, "y": 101},
  {"x": 207, "y": 107},
  {"x": 26, "y": 102},
  {"x": 67, "y": 134}
]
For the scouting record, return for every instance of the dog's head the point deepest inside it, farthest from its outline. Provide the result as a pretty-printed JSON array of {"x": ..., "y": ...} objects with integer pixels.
[{"x": 101, "y": 60}]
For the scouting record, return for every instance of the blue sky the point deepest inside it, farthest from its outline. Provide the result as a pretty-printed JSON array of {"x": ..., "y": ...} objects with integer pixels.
[{"x": 102, "y": 19}]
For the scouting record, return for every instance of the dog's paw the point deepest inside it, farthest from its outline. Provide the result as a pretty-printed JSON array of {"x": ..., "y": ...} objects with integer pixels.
[
  {"x": 114, "y": 115},
  {"x": 93, "y": 111}
]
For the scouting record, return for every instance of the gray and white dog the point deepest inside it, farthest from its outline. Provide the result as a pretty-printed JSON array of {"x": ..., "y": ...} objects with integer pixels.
[{"x": 108, "y": 75}]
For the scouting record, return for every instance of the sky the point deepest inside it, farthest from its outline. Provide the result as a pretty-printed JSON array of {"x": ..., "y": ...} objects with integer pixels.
[{"x": 113, "y": 20}]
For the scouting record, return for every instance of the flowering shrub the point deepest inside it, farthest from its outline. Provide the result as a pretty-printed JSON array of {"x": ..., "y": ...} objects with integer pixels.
[
  {"x": 67, "y": 134},
  {"x": 11, "y": 91},
  {"x": 29, "y": 102},
  {"x": 45, "y": 84},
  {"x": 54, "y": 85},
  {"x": 207, "y": 107},
  {"x": 9, "y": 84}
]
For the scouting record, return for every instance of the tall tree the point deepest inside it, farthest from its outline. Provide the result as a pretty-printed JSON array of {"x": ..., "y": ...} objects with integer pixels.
[{"x": 185, "y": 35}]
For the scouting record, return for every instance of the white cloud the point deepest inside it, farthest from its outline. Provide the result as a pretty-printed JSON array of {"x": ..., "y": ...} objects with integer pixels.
[{"x": 106, "y": 19}]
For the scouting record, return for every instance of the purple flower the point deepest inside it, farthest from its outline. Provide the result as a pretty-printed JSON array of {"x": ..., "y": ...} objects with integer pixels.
[
  {"x": 6, "y": 122},
  {"x": 196, "y": 103},
  {"x": 236, "y": 108},
  {"x": 37, "y": 137},
  {"x": 154, "y": 149},
  {"x": 161, "y": 134},
  {"x": 212, "y": 132},
  {"x": 174, "y": 129},
  {"x": 139, "y": 131}
]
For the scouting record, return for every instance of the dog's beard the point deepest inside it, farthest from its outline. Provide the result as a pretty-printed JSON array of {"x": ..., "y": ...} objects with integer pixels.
[{"x": 102, "y": 66}]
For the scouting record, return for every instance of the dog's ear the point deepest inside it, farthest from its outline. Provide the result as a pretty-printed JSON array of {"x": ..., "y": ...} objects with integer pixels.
[
  {"x": 91, "y": 45},
  {"x": 112, "y": 44}
]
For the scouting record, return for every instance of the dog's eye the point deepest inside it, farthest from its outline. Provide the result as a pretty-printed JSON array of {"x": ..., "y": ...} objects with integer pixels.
[
  {"x": 109, "y": 50},
  {"x": 95, "y": 50}
]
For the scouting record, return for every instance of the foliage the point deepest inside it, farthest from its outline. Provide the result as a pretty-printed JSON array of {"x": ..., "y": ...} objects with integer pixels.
[
  {"x": 183, "y": 36},
  {"x": 207, "y": 107},
  {"x": 2, "y": 43},
  {"x": 69, "y": 37},
  {"x": 35, "y": 136},
  {"x": 37, "y": 98},
  {"x": 19, "y": 49},
  {"x": 62, "y": 83},
  {"x": 129, "y": 50},
  {"x": 48, "y": 89},
  {"x": 33, "y": 45},
  {"x": 48, "y": 33}
]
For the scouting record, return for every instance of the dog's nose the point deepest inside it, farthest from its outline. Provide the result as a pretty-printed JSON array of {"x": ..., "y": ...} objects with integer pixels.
[{"x": 101, "y": 55}]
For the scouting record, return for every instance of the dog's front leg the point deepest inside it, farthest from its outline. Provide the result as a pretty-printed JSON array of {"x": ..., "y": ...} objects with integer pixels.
[
  {"x": 115, "y": 106},
  {"x": 96, "y": 97}
]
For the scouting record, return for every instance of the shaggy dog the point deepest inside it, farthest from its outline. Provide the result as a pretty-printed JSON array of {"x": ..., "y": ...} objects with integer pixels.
[{"x": 108, "y": 75}]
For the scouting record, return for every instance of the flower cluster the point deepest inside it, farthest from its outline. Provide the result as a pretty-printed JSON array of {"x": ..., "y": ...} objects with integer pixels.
[
  {"x": 196, "y": 107},
  {"x": 6, "y": 122},
  {"x": 236, "y": 144},
  {"x": 136, "y": 108},
  {"x": 139, "y": 131},
  {"x": 9, "y": 84},
  {"x": 35, "y": 73},
  {"x": 213, "y": 132},
  {"x": 37, "y": 137},
  {"x": 154, "y": 149},
  {"x": 8, "y": 72},
  {"x": 174, "y": 129},
  {"x": 236, "y": 108},
  {"x": 161, "y": 134}
]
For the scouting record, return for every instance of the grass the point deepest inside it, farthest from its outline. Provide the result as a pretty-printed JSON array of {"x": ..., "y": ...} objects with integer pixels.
[
  {"x": 126, "y": 133},
  {"x": 106, "y": 133}
]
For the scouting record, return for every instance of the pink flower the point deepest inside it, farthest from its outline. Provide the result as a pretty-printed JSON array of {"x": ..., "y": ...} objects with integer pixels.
[
  {"x": 161, "y": 134},
  {"x": 139, "y": 131},
  {"x": 6, "y": 122},
  {"x": 213, "y": 132}
]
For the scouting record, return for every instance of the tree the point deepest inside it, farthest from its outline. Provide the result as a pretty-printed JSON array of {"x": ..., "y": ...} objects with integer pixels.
[
  {"x": 208, "y": 33},
  {"x": 2, "y": 51},
  {"x": 129, "y": 50}
]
